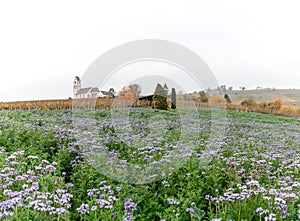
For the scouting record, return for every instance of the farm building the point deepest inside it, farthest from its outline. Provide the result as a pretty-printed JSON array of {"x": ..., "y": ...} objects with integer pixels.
[{"x": 146, "y": 100}]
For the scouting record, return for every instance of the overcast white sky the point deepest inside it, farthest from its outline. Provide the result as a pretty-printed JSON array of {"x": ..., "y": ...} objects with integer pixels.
[{"x": 44, "y": 44}]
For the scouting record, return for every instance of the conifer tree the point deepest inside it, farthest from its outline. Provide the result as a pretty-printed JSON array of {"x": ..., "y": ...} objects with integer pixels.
[
  {"x": 160, "y": 98},
  {"x": 173, "y": 104}
]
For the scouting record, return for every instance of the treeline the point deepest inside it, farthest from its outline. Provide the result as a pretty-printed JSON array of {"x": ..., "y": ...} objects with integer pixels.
[
  {"x": 200, "y": 101},
  {"x": 272, "y": 107},
  {"x": 247, "y": 104}
]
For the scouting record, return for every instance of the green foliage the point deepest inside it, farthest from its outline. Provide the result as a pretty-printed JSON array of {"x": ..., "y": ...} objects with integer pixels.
[
  {"x": 257, "y": 163},
  {"x": 203, "y": 96},
  {"x": 112, "y": 91},
  {"x": 248, "y": 102},
  {"x": 160, "y": 98},
  {"x": 223, "y": 87},
  {"x": 227, "y": 98}
]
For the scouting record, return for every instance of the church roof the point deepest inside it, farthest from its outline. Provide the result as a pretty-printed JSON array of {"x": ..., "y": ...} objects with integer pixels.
[
  {"x": 83, "y": 90},
  {"x": 95, "y": 89},
  {"x": 165, "y": 86}
]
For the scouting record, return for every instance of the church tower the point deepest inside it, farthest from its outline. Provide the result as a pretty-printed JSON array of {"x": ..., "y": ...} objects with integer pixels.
[
  {"x": 76, "y": 85},
  {"x": 166, "y": 89}
]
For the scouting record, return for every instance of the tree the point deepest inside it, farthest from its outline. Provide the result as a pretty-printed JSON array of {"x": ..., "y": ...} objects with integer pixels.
[
  {"x": 227, "y": 98},
  {"x": 272, "y": 106},
  {"x": 173, "y": 104},
  {"x": 136, "y": 92},
  {"x": 112, "y": 91},
  {"x": 230, "y": 88},
  {"x": 160, "y": 98},
  {"x": 278, "y": 104},
  {"x": 223, "y": 87},
  {"x": 203, "y": 96},
  {"x": 249, "y": 102},
  {"x": 216, "y": 100},
  {"x": 125, "y": 94}
]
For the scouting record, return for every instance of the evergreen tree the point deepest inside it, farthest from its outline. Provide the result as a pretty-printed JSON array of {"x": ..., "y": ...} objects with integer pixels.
[
  {"x": 227, "y": 98},
  {"x": 112, "y": 91},
  {"x": 173, "y": 104},
  {"x": 160, "y": 98}
]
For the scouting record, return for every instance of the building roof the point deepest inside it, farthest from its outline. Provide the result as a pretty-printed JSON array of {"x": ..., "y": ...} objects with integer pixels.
[
  {"x": 107, "y": 93},
  {"x": 146, "y": 97},
  {"x": 83, "y": 90},
  {"x": 95, "y": 89},
  {"x": 165, "y": 86}
]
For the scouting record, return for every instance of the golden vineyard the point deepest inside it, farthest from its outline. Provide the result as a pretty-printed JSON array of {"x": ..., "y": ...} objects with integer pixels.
[
  {"x": 64, "y": 104},
  {"x": 108, "y": 103}
]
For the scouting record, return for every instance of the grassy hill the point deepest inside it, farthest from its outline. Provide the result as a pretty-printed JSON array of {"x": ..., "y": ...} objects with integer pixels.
[{"x": 290, "y": 97}]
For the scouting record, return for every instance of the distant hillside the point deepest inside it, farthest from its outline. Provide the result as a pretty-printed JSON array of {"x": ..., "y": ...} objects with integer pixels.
[{"x": 290, "y": 97}]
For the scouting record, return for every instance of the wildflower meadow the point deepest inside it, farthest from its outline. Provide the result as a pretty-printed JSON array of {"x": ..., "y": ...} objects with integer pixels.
[{"x": 46, "y": 174}]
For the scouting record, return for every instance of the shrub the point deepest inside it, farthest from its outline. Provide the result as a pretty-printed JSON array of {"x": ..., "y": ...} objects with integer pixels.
[
  {"x": 203, "y": 96},
  {"x": 249, "y": 102},
  {"x": 216, "y": 100},
  {"x": 288, "y": 111}
]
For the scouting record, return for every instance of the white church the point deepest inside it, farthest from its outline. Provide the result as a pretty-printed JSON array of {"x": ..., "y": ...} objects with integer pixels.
[{"x": 88, "y": 92}]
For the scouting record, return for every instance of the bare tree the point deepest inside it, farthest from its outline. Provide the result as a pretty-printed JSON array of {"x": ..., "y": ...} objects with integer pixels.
[{"x": 136, "y": 90}]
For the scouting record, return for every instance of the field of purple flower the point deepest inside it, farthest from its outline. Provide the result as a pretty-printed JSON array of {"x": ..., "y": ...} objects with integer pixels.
[{"x": 45, "y": 174}]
